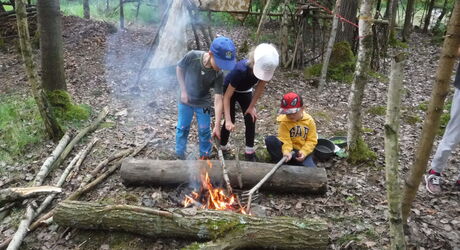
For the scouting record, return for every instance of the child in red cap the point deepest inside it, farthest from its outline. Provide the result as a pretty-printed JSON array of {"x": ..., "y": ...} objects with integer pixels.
[{"x": 296, "y": 132}]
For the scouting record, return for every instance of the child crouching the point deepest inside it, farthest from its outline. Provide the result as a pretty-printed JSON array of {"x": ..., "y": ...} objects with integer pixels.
[{"x": 296, "y": 132}]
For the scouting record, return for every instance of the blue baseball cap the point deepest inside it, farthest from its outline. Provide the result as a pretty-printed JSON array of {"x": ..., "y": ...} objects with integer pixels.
[{"x": 224, "y": 52}]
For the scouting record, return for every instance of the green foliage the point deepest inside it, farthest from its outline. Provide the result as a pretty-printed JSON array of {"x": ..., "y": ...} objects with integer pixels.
[
  {"x": 360, "y": 152},
  {"x": 377, "y": 110},
  {"x": 222, "y": 19},
  {"x": 396, "y": 43},
  {"x": 262, "y": 155},
  {"x": 20, "y": 126},
  {"x": 368, "y": 130},
  {"x": 438, "y": 34},
  {"x": 66, "y": 112},
  {"x": 341, "y": 67},
  {"x": 411, "y": 119}
]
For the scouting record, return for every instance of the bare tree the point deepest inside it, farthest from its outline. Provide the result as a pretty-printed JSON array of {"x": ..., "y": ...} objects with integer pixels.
[
  {"x": 122, "y": 15},
  {"x": 392, "y": 123},
  {"x": 330, "y": 46},
  {"x": 262, "y": 20},
  {"x": 52, "y": 127},
  {"x": 408, "y": 20},
  {"x": 346, "y": 32},
  {"x": 52, "y": 53},
  {"x": 431, "y": 124},
  {"x": 356, "y": 144},
  {"x": 441, "y": 16},
  {"x": 86, "y": 9},
  {"x": 428, "y": 15}
]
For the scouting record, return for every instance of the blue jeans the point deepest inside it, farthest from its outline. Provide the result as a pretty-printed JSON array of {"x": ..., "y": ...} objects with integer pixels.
[
  {"x": 274, "y": 146},
  {"x": 184, "y": 119}
]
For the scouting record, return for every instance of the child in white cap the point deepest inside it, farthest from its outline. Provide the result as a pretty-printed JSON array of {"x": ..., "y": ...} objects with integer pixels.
[{"x": 256, "y": 70}]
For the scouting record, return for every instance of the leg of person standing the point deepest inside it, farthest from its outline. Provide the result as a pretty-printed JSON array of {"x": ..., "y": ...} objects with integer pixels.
[
  {"x": 244, "y": 99},
  {"x": 203, "y": 116},
  {"x": 184, "y": 119},
  {"x": 450, "y": 139}
]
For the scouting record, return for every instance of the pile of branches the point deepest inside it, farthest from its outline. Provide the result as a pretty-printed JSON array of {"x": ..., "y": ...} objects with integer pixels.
[
  {"x": 35, "y": 207},
  {"x": 8, "y": 22}
]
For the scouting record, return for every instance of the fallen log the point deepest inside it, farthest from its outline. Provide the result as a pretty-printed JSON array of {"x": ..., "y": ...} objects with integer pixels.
[
  {"x": 13, "y": 194},
  {"x": 228, "y": 230},
  {"x": 292, "y": 179}
]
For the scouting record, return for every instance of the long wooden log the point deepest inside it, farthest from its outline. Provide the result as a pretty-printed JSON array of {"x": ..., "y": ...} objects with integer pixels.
[
  {"x": 230, "y": 230},
  {"x": 292, "y": 179}
]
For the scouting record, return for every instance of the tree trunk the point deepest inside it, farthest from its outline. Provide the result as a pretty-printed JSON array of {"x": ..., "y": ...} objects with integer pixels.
[
  {"x": 431, "y": 122},
  {"x": 441, "y": 16},
  {"x": 428, "y": 16},
  {"x": 354, "y": 136},
  {"x": 228, "y": 230},
  {"x": 13, "y": 194},
  {"x": 346, "y": 31},
  {"x": 392, "y": 124},
  {"x": 408, "y": 20},
  {"x": 284, "y": 35},
  {"x": 296, "y": 179},
  {"x": 122, "y": 15},
  {"x": 137, "y": 8},
  {"x": 330, "y": 46},
  {"x": 51, "y": 48},
  {"x": 86, "y": 13},
  {"x": 393, "y": 11},
  {"x": 262, "y": 20},
  {"x": 52, "y": 127}
]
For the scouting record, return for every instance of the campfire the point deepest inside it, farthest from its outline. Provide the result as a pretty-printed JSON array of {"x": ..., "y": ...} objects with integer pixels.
[{"x": 209, "y": 197}]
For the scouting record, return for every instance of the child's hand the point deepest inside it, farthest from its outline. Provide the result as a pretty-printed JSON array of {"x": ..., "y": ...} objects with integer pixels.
[
  {"x": 229, "y": 126},
  {"x": 253, "y": 113},
  {"x": 300, "y": 157},
  {"x": 216, "y": 132},
  {"x": 183, "y": 97},
  {"x": 288, "y": 157}
]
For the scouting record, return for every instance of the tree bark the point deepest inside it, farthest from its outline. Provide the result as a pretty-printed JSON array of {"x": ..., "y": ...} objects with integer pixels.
[
  {"x": 52, "y": 127},
  {"x": 428, "y": 16},
  {"x": 229, "y": 230},
  {"x": 354, "y": 136},
  {"x": 431, "y": 122},
  {"x": 330, "y": 46},
  {"x": 51, "y": 48},
  {"x": 262, "y": 20},
  {"x": 408, "y": 20},
  {"x": 393, "y": 11},
  {"x": 13, "y": 194},
  {"x": 392, "y": 124},
  {"x": 346, "y": 32},
  {"x": 284, "y": 35},
  {"x": 122, "y": 15},
  {"x": 86, "y": 11},
  {"x": 293, "y": 179}
]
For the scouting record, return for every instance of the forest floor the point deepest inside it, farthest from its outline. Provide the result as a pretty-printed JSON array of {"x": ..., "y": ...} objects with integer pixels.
[{"x": 100, "y": 70}]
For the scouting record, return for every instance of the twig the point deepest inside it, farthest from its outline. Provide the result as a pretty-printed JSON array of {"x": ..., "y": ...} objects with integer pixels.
[{"x": 84, "y": 153}]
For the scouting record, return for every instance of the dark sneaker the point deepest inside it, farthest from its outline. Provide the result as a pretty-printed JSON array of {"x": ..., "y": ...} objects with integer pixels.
[
  {"x": 433, "y": 183},
  {"x": 250, "y": 157}
]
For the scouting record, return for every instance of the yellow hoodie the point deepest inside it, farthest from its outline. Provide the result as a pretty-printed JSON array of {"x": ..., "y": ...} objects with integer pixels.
[{"x": 300, "y": 135}]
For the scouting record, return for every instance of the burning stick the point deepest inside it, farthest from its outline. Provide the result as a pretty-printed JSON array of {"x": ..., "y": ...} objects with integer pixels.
[{"x": 222, "y": 162}]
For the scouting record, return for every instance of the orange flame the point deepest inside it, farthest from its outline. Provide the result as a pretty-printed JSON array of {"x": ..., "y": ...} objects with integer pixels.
[{"x": 210, "y": 197}]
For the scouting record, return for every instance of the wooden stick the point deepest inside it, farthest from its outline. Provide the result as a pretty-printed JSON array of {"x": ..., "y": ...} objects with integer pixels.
[
  {"x": 12, "y": 194},
  {"x": 84, "y": 153},
  {"x": 222, "y": 162},
  {"x": 45, "y": 168}
]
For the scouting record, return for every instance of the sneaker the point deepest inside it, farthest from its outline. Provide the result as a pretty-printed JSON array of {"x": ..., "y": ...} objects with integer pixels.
[
  {"x": 433, "y": 182},
  {"x": 250, "y": 157}
]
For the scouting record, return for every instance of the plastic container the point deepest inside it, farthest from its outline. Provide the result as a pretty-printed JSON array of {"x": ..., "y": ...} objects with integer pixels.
[
  {"x": 340, "y": 141},
  {"x": 324, "y": 150}
]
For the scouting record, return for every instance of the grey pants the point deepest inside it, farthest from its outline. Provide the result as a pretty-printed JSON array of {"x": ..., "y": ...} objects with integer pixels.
[{"x": 451, "y": 136}]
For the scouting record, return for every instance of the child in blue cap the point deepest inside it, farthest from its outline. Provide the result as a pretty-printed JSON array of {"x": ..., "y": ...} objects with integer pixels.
[{"x": 197, "y": 72}]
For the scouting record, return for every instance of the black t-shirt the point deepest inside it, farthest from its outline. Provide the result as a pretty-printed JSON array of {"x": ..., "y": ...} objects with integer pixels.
[
  {"x": 241, "y": 77},
  {"x": 199, "y": 80}
]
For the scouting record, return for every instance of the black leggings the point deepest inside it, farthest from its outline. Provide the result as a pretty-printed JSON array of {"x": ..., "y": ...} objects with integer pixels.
[{"x": 244, "y": 99}]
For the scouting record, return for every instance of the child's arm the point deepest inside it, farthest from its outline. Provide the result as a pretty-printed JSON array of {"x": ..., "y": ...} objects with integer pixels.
[
  {"x": 311, "y": 140},
  {"x": 218, "y": 114},
  {"x": 227, "y": 96},
  {"x": 285, "y": 138},
  {"x": 181, "y": 80}
]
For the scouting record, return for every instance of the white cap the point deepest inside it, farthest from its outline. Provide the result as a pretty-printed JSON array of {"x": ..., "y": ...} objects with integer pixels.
[{"x": 266, "y": 59}]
